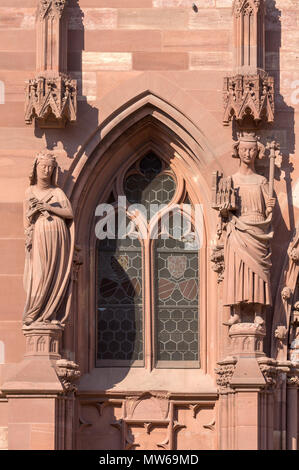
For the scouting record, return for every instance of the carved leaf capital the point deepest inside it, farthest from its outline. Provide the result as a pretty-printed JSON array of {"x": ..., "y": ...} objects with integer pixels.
[{"x": 68, "y": 373}]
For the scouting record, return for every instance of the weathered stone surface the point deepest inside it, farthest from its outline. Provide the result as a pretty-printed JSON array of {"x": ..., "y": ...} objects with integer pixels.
[
  {"x": 196, "y": 40},
  {"x": 93, "y": 61},
  {"x": 152, "y": 19},
  {"x": 160, "y": 61},
  {"x": 117, "y": 41},
  {"x": 217, "y": 19},
  {"x": 210, "y": 60},
  {"x": 93, "y": 19},
  {"x": 21, "y": 18},
  {"x": 149, "y": 77}
]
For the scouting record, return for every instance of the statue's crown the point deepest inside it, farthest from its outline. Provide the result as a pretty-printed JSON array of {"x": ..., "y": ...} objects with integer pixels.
[
  {"x": 248, "y": 137},
  {"x": 46, "y": 156}
]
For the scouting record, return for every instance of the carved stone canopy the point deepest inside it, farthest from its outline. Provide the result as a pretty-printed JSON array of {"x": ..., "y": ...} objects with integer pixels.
[
  {"x": 54, "y": 7},
  {"x": 247, "y": 7},
  {"x": 51, "y": 101},
  {"x": 249, "y": 96},
  {"x": 51, "y": 97}
]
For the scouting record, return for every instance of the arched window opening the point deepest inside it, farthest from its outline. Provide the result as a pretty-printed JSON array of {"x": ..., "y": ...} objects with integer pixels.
[{"x": 148, "y": 281}]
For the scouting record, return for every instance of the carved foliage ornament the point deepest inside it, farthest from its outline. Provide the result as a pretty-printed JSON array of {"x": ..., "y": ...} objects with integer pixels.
[
  {"x": 246, "y": 7},
  {"x": 68, "y": 373},
  {"x": 217, "y": 261},
  {"x": 225, "y": 372},
  {"x": 55, "y": 7},
  {"x": 270, "y": 371}
]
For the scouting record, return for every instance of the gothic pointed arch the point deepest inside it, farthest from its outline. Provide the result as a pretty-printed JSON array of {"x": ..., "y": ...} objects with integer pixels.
[{"x": 146, "y": 123}]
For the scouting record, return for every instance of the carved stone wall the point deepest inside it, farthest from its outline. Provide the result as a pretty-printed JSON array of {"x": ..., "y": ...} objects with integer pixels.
[
  {"x": 149, "y": 75},
  {"x": 153, "y": 421}
]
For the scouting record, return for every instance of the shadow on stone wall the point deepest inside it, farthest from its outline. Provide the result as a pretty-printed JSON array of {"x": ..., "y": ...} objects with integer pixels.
[
  {"x": 74, "y": 135},
  {"x": 283, "y": 132}
]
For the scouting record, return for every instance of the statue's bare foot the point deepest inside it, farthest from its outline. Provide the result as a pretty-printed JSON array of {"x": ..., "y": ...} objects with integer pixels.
[
  {"x": 28, "y": 322},
  {"x": 233, "y": 319},
  {"x": 259, "y": 320}
]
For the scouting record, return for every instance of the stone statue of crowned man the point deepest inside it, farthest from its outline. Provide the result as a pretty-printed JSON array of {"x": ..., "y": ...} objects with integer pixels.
[
  {"x": 48, "y": 225},
  {"x": 245, "y": 206}
]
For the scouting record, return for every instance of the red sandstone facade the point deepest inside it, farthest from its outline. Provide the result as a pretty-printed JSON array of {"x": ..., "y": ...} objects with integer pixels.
[{"x": 133, "y": 77}]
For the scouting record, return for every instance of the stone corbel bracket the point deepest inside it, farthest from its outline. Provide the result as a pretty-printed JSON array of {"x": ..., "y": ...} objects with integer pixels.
[
  {"x": 68, "y": 374},
  {"x": 51, "y": 97},
  {"x": 224, "y": 373}
]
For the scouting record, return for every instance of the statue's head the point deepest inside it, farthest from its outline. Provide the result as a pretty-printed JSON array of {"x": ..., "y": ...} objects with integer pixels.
[
  {"x": 248, "y": 148},
  {"x": 44, "y": 168}
]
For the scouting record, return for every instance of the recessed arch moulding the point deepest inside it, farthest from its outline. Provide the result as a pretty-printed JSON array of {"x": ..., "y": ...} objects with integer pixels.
[{"x": 147, "y": 122}]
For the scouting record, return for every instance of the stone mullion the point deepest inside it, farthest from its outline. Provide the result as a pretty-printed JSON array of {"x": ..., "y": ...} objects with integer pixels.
[{"x": 148, "y": 305}]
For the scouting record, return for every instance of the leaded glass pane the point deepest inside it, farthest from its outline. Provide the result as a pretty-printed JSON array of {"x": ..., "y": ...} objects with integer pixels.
[
  {"x": 150, "y": 186},
  {"x": 176, "y": 280},
  {"x": 119, "y": 299}
]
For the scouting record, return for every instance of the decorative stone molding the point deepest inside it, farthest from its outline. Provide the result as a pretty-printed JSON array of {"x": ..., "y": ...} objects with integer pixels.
[
  {"x": 249, "y": 96},
  {"x": 77, "y": 262},
  {"x": 52, "y": 7},
  {"x": 68, "y": 373},
  {"x": 249, "y": 93},
  {"x": 270, "y": 371},
  {"x": 154, "y": 417},
  {"x": 217, "y": 261},
  {"x": 286, "y": 293},
  {"x": 281, "y": 332},
  {"x": 225, "y": 372},
  {"x": 42, "y": 340},
  {"x": 293, "y": 375},
  {"x": 249, "y": 34},
  {"x": 51, "y": 101},
  {"x": 247, "y": 7},
  {"x": 294, "y": 329},
  {"x": 247, "y": 338},
  {"x": 293, "y": 380},
  {"x": 51, "y": 97}
]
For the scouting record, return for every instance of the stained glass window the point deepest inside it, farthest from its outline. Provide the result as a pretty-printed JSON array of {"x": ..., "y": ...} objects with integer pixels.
[
  {"x": 175, "y": 278},
  {"x": 120, "y": 318},
  {"x": 149, "y": 185},
  {"x": 176, "y": 281}
]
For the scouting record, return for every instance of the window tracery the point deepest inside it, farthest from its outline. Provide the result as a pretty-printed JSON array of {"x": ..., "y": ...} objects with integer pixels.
[{"x": 147, "y": 285}]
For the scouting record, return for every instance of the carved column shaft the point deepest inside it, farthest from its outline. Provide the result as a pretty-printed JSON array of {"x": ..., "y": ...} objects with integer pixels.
[
  {"x": 51, "y": 33},
  {"x": 249, "y": 91},
  {"x": 249, "y": 35},
  {"x": 51, "y": 97}
]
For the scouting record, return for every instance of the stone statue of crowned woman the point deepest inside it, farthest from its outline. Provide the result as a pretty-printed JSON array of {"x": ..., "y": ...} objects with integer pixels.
[
  {"x": 247, "y": 222},
  {"x": 48, "y": 221}
]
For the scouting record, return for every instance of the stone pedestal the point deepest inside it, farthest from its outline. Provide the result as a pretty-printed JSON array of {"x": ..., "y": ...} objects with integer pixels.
[
  {"x": 40, "y": 392},
  {"x": 247, "y": 381},
  {"x": 247, "y": 339},
  {"x": 42, "y": 341}
]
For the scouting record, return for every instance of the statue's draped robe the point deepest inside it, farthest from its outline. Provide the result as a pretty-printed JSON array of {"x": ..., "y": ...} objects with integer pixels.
[
  {"x": 47, "y": 263},
  {"x": 247, "y": 250}
]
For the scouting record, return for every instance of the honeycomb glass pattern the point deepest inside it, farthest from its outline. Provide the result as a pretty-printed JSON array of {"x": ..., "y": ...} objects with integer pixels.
[
  {"x": 119, "y": 299},
  {"x": 150, "y": 186},
  {"x": 176, "y": 294}
]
